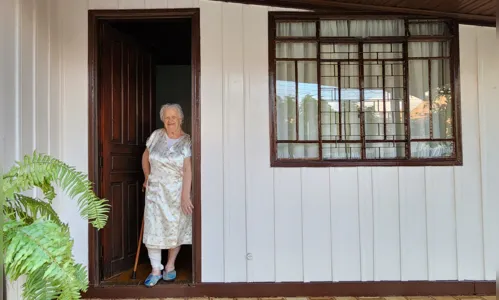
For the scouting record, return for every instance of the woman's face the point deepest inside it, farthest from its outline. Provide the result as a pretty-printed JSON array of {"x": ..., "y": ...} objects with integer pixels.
[{"x": 172, "y": 119}]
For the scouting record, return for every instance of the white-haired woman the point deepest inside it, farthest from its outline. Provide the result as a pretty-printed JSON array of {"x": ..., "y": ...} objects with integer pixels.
[{"x": 168, "y": 208}]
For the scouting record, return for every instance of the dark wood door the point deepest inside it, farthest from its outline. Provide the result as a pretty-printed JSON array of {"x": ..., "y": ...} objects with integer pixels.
[{"x": 127, "y": 118}]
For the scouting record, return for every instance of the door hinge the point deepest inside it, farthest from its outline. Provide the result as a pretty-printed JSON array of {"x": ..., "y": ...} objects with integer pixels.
[{"x": 101, "y": 162}]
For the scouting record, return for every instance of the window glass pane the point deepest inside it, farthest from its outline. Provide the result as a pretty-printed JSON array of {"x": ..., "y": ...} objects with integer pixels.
[
  {"x": 296, "y": 29},
  {"x": 339, "y": 51},
  {"x": 308, "y": 107},
  {"x": 285, "y": 100},
  {"x": 428, "y": 28},
  {"x": 385, "y": 150},
  {"x": 419, "y": 104},
  {"x": 331, "y": 151},
  {"x": 335, "y": 28},
  {"x": 350, "y": 100},
  {"x": 432, "y": 149},
  {"x": 330, "y": 116},
  {"x": 429, "y": 49},
  {"x": 442, "y": 117},
  {"x": 297, "y": 151},
  {"x": 296, "y": 50},
  {"x": 383, "y": 51},
  {"x": 384, "y": 101},
  {"x": 362, "y": 28}
]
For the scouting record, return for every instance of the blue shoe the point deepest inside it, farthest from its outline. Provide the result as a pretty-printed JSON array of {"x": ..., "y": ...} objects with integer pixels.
[
  {"x": 152, "y": 280},
  {"x": 169, "y": 276}
]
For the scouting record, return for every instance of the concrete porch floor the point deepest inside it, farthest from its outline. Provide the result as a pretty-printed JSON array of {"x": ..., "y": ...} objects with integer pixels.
[{"x": 334, "y": 298}]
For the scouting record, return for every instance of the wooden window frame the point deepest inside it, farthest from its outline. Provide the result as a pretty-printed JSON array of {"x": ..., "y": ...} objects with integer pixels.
[{"x": 456, "y": 160}]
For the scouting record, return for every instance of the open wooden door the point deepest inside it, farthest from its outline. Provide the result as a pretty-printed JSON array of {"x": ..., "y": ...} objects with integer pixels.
[{"x": 127, "y": 118}]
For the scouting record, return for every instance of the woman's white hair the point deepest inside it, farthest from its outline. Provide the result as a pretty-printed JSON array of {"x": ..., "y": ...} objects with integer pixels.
[{"x": 171, "y": 105}]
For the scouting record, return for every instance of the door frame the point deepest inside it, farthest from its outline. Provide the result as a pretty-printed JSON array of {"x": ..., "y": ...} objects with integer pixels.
[{"x": 95, "y": 19}]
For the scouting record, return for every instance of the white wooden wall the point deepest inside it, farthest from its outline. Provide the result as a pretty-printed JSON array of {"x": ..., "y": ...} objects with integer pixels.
[
  {"x": 30, "y": 77},
  {"x": 341, "y": 224},
  {"x": 337, "y": 224}
]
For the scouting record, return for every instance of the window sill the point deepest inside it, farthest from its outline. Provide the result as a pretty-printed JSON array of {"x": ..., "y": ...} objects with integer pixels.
[{"x": 279, "y": 163}]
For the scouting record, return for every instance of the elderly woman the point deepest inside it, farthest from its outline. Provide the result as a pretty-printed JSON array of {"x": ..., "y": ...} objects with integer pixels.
[{"x": 168, "y": 209}]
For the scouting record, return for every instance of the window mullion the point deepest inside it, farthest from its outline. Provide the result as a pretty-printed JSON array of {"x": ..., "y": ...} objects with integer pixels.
[
  {"x": 361, "y": 98},
  {"x": 319, "y": 97},
  {"x": 407, "y": 103},
  {"x": 297, "y": 107}
]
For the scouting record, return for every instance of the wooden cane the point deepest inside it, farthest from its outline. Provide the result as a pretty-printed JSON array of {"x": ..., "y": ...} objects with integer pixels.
[{"x": 139, "y": 244}]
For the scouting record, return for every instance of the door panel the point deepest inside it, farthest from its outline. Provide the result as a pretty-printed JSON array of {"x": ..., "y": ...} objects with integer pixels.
[{"x": 126, "y": 120}]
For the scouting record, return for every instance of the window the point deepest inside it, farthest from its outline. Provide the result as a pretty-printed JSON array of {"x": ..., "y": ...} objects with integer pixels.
[{"x": 363, "y": 92}]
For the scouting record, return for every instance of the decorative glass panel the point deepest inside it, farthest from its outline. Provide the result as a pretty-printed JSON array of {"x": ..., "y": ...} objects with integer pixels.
[
  {"x": 332, "y": 151},
  {"x": 432, "y": 149},
  {"x": 286, "y": 100},
  {"x": 296, "y": 29},
  {"x": 362, "y": 28},
  {"x": 428, "y": 28},
  {"x": 297, "y": 151},
  {"x": 429, "y": 49},
  {"x": 296, "y": 50},
  {"x": 308, "y": 95}
]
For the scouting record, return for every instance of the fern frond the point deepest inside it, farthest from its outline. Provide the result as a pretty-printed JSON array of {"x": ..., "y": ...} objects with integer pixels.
[
  {"x": 28, "y": 209},
  {"x": 39, "y": 170},
  {"x": 42, "y": 250}
]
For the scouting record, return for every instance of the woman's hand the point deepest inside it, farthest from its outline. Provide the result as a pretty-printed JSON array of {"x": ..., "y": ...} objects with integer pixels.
[
  {"x": 144, "y": 185},
  {"x": 186, "y": 205}
]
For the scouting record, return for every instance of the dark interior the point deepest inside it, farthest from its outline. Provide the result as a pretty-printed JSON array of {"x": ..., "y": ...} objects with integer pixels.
[{"x": 169, "y": 41}]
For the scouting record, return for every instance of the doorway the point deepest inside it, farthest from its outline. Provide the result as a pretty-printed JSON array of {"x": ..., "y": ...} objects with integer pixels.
[{"x": 139, "y": 60}]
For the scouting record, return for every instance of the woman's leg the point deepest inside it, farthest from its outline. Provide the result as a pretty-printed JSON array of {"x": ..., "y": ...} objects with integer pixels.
[
  {"x": 172, "y": 256},
  {"x": 155, "y": 257}
]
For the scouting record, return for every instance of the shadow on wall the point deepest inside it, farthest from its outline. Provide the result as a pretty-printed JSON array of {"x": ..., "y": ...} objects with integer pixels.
[{"x": 173, "y": 85}]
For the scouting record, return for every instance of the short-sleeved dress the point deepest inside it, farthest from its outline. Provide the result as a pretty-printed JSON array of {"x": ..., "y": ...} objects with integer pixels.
[{"x": 165, "y": 225}]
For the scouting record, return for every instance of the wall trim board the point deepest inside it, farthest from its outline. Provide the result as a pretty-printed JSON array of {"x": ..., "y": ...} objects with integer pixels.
[{"x": 318, "y": 289}]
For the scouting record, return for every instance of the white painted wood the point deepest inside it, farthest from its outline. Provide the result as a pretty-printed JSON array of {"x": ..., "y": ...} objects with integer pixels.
[
  {"x": 156, "y": 3},
  {"x": 180, "y": 3},
  {"x": 413, "y": 240},
  {"x": 74, "y": 31},
  {"x": 316, "y": 211},
  {"x": 27, "y": 72},
  {"x": 131, "y": 4},
  {"x": 212, "y": 175},
  {"x": 441, "y": 223},
  {"x": 288, "y": 225},
  {"x": 345, "y": 242},
  {"x": 42, "y": 63},
  {"x": 386, "y": 224},
  {"x": 488, "y": 72},
  {"x": 234, "y": 152},
  {"x": 366, "y": 223},
  {"x": 103, "y": 4},
  {"x": 259, "y": 176},
  {"x": 11, "y": 121},
  {"x": 9, "y": 101},
  {"x": 54, "y": 88},
  {"x": 446, "y": 216},
  {"x": 467, "y": 183}
]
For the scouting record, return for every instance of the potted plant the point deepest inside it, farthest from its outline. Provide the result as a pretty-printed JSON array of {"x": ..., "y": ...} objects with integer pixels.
[{"x": 36, "y": 243}]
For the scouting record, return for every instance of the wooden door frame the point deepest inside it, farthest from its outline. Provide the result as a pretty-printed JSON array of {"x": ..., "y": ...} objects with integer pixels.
[{"x": 95, "y": 19}]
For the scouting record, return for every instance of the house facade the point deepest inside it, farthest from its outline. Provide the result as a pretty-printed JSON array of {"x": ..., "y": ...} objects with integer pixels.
[{"x": 263, "y": 223}]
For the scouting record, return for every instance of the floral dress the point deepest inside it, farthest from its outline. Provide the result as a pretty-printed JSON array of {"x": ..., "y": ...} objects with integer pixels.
[{"x": 165, "y": 225}]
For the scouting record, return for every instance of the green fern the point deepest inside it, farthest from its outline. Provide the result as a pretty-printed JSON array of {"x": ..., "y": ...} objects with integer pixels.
[{"x": 36, "y": 243}]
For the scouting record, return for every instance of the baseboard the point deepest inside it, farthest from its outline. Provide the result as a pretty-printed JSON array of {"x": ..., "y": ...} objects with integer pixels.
[{"x": 320, "y": 289}]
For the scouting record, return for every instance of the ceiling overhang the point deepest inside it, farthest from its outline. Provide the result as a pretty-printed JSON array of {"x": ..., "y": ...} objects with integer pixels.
[{"x": 324, "y": 6}]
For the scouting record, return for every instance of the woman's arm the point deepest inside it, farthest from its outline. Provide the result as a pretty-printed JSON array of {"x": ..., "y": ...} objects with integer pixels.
[
  {"x": 186, "y": 187},
  {"x": 146, "y": 167}
]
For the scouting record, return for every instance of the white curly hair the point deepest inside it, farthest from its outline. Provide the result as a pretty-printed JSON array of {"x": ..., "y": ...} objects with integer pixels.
[{"x": 171, "y": 105}]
